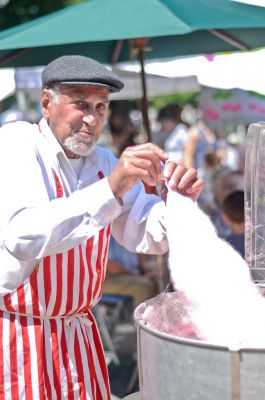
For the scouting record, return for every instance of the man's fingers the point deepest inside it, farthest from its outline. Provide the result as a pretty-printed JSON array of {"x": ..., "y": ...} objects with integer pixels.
[
  {"x": 189, "y": 177},
  {"x": 198, "y": 183},
  {"x": 144, "y": 167},
  {"x": 182, "y": 178},
  {"x": 192, "y": 191},
  {"x": 150, "y": 153},
  {"x": 150, "y": 147},
  {"x": 138, "y": 163}
]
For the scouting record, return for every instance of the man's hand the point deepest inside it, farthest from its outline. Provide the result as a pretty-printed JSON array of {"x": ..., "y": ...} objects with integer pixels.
[
  {"x": 183, "y": 180},
  {"x": 137, "y": 163},
  {"x": 143, "y": 163}
]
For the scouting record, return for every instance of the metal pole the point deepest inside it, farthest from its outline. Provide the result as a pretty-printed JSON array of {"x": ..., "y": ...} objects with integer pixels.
[
  {"x": 139, "y": 50},
  {"x": 144, "y": 102}
]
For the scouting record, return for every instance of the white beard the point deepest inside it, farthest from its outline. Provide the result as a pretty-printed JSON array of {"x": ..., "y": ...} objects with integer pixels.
[{"x": 79, "y": 146}]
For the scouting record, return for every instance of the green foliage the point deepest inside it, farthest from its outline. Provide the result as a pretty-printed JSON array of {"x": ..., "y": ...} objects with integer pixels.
[
  {"x": 258, "y": 95},
  {"x": 18, "y": 11},
  {"x": 177, "y": 98},
  {"x": 222, "y": 94}
]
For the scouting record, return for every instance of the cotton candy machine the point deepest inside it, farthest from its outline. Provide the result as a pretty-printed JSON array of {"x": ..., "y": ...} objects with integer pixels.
[
  {"x": 179, "y": 367},
  {"x": 176, "y": 368},
  {"x": 255, "y": 201}
]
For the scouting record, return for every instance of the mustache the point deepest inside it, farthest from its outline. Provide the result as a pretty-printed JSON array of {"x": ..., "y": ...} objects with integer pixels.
[{"x": 91, "y": 130}]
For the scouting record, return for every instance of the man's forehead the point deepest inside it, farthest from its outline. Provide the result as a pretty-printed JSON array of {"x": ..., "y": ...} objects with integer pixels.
[{"x": 86, "y": 91}]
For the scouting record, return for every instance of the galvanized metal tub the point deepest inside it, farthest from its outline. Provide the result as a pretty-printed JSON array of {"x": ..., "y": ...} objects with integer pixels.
[{"x": 176, "y": 368}]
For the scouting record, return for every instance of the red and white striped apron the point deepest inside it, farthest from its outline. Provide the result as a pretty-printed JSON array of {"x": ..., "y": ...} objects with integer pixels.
[{"x": 49, "y": 343}]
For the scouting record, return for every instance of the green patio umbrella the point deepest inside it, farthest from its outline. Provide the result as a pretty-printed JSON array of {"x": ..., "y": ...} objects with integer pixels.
[
  {"x": 174, "y": 27},
  {"x": 106, "y": 30}
]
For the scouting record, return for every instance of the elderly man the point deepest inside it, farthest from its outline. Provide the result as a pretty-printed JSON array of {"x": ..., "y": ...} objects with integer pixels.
[{"x": 62, "y": 195}]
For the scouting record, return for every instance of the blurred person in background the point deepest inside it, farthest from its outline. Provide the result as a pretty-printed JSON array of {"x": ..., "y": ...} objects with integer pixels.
[
  {"x": 173, "y": 132},
  {"x": 233, "y": 213},
  {"x": 207, "y": 170},
  {"x": 122, "y": 131},
  {"x": 213, "y": 172},
  {"x": 201, "y": 139},
  {"x": 234, "y": 155},
  {"x": 225, "y": 181}
]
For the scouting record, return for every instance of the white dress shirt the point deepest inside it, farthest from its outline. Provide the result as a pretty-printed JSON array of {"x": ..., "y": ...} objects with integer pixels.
[{"x": 35, "y": 223}]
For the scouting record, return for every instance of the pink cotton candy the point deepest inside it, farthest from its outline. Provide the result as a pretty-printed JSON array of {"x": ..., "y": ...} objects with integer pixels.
[
  {"x": 220, "y": 302},
  {"x": 225, "y": 305},
  {"x": 168, "y": 313}
]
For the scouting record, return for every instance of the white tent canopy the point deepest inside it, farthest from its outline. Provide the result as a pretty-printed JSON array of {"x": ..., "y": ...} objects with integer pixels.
[
  {"x": 242, "y": 70},
  {"x": 30, "y": 78},
  {"x": 28, "y": 87},
  {"x": 7, "y": 79}
]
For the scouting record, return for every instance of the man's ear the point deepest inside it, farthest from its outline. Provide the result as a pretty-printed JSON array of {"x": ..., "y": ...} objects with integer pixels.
[{"x": 45, "y": 103}]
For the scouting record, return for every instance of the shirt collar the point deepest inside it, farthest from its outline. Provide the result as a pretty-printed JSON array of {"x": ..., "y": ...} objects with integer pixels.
[
  {"x": 47, "y": 132},
  {"x": 58, "y": 150}
]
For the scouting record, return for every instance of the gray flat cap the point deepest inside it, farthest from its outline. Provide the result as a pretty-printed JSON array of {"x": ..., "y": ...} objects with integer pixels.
[{"x": 79, "y": 70}]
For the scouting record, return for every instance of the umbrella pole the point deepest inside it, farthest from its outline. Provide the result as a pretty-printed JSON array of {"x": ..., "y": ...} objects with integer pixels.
[
  {"x": 144, "y": 102},
  {"x": 139, "y": 49}
]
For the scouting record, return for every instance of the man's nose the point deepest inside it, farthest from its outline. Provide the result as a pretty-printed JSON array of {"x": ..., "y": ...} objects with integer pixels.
[{"x": 89, "y": 119}]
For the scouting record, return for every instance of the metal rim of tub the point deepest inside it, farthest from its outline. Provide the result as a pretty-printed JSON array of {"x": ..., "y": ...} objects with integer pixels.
[{"x": 193, "y": 342}]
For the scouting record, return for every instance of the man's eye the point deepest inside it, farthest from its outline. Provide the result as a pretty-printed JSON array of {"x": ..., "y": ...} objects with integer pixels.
[
  {"x": 80, "y": 104},
  {"x": 101, "y": 107}
]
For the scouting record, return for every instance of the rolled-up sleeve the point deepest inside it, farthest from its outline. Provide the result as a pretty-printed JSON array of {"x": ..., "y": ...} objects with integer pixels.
[
  {"x": 141, "y": 226},
  {"x": 32, "y": 226},
  {"x": 56, "y": 226}
]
